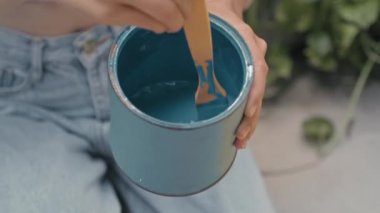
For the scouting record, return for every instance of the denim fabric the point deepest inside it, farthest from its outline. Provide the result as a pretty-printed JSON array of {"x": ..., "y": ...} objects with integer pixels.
[{"x": 54, "y": 116}]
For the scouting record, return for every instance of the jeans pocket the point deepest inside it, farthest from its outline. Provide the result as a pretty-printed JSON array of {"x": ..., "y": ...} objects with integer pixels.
[{"x": 11, "y": 80}]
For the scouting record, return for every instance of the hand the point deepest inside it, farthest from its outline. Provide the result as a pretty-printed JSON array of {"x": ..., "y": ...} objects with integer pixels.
[
  {"x": 156, "y": 15},
  {"x": 258, "y": 49}
]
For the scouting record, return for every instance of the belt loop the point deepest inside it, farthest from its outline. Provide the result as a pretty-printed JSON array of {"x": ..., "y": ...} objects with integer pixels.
[
  {"x": 37, "y": 46},
  {"x": 92, "y": 48},
  {"x": 88, "y": 46}
]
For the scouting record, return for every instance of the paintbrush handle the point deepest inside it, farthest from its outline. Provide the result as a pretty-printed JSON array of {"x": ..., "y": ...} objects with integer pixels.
[{"x": 198, "y": 34}]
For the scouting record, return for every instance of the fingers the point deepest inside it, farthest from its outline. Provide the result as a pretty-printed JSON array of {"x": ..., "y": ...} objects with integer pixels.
[
  {"x": 258, "y": 89},
  {"x": 246, "y": 129},
  {"x": 169, "y": 13},
  {"x": 258, "y": 49}
]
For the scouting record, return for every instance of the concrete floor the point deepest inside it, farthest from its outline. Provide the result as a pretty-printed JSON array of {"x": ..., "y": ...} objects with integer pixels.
[{"x": 348, "y": 181}]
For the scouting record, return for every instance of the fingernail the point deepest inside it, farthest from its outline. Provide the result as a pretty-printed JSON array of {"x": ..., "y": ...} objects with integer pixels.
[{"x": 239, "y": 144}]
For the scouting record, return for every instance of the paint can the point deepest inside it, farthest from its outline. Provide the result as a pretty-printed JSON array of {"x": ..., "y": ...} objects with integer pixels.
[{"x": 155, "y": 137}]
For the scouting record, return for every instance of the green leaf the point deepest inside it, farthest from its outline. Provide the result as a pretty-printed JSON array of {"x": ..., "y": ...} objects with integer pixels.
[
  {"x": 371, "y": 47},
  {"x": 281, "y": 68},
  {"x": 280, "y": 63},
  {"x": 296, "y": 15},
  {"x": 362, "y": 13},
  {"x": 319, "y": 51},
  {"x": 355, "y": 55},
  {"x": 344, "y": 35},
  {"x": 320, "y": 42},
  {"x": 318, "y": 130}
]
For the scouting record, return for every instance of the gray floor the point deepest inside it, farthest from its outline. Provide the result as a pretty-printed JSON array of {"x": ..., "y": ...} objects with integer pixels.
[{"x": 348, "y": 181}]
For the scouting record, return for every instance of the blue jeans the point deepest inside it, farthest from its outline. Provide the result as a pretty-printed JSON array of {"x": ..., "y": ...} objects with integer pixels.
[{"x": 54, "y": 115}]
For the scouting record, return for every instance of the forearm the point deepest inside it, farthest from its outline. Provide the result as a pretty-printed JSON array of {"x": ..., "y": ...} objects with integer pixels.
[
  {"x": 9, "y": 4},
  {"x": 238, "y": 6}
]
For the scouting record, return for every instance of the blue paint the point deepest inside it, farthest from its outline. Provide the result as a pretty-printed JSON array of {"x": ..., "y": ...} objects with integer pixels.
[
  {"x": 217, "y": 106},
  {"x": 153, "y": 60},
  {"x": 201, "y": 75},
  {"x": 207, "y": 79},
  {"x": 167, "y": 100},
  {"x": 150, "y": 62},
  {"x": 210, "y": 80}
]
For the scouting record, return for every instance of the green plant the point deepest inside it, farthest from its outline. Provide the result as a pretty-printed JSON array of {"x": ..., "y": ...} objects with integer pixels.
[
  {"x": 372, "y": 51},
  {"x": 324, "y": 32},
  {"x": 331, "y": 36}
]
